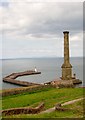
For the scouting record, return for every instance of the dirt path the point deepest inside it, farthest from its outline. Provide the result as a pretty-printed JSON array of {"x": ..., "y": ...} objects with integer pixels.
[
  {"x": 66, "y": 103},
  {"x": 72, "y": 101}
]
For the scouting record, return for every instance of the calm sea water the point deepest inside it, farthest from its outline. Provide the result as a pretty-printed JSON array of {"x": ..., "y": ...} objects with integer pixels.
[{"x": 50, "y": 69}]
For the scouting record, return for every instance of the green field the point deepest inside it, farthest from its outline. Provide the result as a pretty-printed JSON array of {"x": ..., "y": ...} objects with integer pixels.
[
  {"x": 50, "y": 96},
  {"x": 77, "y": 112}
]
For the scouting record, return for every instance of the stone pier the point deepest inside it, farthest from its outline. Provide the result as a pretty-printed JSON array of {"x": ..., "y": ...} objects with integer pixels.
[
  {"x": 66, "y": 67},
  {"x": 11, "y": 78}
]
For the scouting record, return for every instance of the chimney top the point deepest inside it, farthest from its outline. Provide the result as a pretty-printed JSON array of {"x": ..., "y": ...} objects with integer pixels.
[{"x": 66, "y": 32}]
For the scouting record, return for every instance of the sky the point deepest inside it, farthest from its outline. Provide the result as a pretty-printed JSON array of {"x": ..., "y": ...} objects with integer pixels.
[{"x": 35, "y": 28}]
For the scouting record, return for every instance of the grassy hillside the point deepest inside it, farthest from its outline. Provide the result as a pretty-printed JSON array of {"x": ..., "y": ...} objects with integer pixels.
[
  {"x": 76, "y": 112},
  {"x": 50, "y": 96}
]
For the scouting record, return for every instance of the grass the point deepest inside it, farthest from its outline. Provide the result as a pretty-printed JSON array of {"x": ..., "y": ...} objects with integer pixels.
[
  {"x": 50, "y": 96},
  {"x": 76, "y": 112}
]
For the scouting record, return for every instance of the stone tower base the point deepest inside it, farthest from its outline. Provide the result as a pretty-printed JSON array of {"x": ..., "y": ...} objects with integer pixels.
[
  {"x": 65, "y": 83},
  {"x": 59, "y": 83}
]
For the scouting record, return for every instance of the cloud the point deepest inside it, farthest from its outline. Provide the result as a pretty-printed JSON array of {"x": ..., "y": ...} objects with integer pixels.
[
  {"x": 30, "y": 23},
  {"x": 42, "y": 17}
]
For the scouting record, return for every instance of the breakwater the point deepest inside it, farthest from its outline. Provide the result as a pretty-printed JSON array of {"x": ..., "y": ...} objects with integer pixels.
[{"x": 12, "y": 78}]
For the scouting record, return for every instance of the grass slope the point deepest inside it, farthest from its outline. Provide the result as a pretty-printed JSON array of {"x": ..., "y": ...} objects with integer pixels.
[
  {"x": 50, "y": 96},
  {"x": 74, "y": 113}
]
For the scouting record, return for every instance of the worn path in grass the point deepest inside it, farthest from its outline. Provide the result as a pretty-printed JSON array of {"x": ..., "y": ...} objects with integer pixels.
[
  {"x": 66, "y": 103},
  {"x": 53, "y": 109}
]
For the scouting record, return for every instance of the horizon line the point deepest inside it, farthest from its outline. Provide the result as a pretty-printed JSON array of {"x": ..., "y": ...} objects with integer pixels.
[{"x": 41, "y": 57}]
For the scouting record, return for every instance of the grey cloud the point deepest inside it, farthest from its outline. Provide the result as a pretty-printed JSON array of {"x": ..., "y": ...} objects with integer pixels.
[
  {"x": 70, "y": 18},
  {"x": 4, "y": 3},
  {"x": 49, "y": 18},
  {"x": 26, "y": 24}
]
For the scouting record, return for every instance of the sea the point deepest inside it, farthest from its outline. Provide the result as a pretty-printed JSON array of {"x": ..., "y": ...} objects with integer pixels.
[{"x": 50, "y": 69}]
